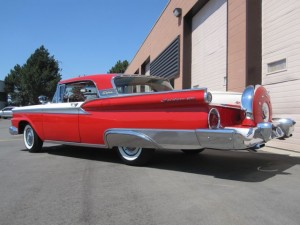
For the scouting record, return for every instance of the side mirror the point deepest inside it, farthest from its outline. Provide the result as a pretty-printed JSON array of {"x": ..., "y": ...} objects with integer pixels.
[{"x": 43, "y": 99}]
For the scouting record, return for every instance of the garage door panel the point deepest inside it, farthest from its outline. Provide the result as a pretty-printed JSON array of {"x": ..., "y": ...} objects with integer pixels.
[
  {"x": 209, "y": 45},
  {"x": 280, "y": 40},
  {"x": 285, "y": 99}
]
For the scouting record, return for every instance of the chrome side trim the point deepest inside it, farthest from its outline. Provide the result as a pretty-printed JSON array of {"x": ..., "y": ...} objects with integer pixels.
[
  {"x": 13, "y": 130},
  {"x": 226, "y": 106},
  {"x": 152, "y": 138},
  {"x": 51, "y": 111},
  {"x": 72, "y": 110},
  {"x": 174, "y": 139},
  {"x": 218, "y": 138},
  {"x": 76, "y": 144},
  {"x": 152, "y": 93},
  {"x": 128, "y": 138}
]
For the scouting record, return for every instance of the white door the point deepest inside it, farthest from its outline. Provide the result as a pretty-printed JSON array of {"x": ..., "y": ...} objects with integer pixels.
[
  {"x": 209, "y": 46},
  {"x": 281, "y": 62}
]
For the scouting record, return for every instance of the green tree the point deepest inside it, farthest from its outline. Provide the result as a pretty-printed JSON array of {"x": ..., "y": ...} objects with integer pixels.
[
  {"x": 119, "y": 67},
  {"x": 38, "y": 76}
]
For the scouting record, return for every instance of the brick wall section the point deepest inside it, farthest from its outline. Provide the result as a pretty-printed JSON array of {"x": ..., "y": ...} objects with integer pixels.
[
  {"x": 236, "y": 67},
  {"x": 164, "y": 31},
  {"x": 168, "y": 27}
]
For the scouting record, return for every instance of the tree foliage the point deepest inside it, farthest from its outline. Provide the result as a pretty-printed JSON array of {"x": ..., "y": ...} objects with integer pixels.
[
  {"x": 38, "y": 76},
  {"x": 119, "y": 67}
]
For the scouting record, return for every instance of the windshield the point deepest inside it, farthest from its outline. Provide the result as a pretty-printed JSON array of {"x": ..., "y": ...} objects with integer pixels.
[{"x": 128, "y": 85}]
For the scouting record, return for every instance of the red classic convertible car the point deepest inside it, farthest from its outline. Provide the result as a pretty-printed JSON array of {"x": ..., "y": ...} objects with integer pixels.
[{"x": 138, "y": 114}]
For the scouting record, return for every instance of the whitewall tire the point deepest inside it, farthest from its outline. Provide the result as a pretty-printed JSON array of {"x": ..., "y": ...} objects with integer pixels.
[
  {"x": 135, "y": 156},
  {"x": 31, "y": 140}
]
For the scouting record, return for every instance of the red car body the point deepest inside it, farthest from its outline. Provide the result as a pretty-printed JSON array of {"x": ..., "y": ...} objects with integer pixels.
[{"x": 138, "y": 114}]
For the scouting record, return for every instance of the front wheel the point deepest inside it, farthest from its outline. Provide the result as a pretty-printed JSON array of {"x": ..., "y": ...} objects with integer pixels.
[
  {"x": 135, "y": 156},
  {"x": 32, "y": 141}
]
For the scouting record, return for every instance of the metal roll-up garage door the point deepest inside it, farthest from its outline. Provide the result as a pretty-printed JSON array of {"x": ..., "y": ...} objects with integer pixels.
[
  {"x": 209, "y": 46},
  {"x": 281, "y": 62}
]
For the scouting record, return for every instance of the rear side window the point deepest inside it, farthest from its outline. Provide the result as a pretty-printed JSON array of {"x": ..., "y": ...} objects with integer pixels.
[{"x": 129, "y": 85}]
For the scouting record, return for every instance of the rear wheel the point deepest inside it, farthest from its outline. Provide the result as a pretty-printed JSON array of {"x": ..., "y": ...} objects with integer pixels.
[
  {"x": 135, "y": 156},
  {"x": 192, "y": 151},
  {"x": 31, "y": 140}
]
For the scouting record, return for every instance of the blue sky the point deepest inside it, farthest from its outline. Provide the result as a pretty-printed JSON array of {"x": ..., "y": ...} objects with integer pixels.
[{"x": 85, "y": 36}]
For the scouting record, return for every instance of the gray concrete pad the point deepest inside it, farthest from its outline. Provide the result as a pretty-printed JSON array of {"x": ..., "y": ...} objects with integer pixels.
[{"x": 72, "y": 185}]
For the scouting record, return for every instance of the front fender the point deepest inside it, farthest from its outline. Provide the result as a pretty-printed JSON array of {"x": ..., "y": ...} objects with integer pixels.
[{"x": 35, "y": 120}]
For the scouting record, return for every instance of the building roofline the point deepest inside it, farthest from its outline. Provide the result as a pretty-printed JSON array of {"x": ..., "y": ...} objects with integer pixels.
[{"x": 150, "y": 32}]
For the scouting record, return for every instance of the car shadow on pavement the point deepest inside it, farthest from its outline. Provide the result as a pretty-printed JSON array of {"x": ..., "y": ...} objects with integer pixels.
[{"x": 231, "y": 165}]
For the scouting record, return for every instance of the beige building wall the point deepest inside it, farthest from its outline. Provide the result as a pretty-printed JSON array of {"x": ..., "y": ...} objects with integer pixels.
[
  {"x": 281, "y": 63},
  {"x": 164, "y": 31}
]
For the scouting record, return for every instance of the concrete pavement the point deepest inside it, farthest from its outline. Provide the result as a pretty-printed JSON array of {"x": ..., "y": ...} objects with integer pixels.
[{"x": 72, "y": 185}]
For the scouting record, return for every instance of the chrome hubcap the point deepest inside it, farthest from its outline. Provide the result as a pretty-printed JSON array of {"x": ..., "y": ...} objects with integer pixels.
[
  {"x": 130, "y": 153},
  {"x": 29, "y": 136}
]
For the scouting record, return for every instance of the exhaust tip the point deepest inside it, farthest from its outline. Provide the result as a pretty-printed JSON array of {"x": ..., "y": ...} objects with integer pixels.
[{"x": 256, "y": 147}]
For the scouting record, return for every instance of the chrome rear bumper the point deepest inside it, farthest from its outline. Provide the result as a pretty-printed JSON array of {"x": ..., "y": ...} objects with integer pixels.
[{"x": 245, "y": 138}]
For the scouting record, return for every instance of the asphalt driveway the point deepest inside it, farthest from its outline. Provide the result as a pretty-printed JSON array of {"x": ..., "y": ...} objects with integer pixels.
[{"x": 72, "y": 185}]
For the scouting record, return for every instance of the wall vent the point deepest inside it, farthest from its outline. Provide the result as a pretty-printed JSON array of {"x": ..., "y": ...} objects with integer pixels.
[
  {"x": 166, "y": 65},
  {"x": 277, "y": 66}
]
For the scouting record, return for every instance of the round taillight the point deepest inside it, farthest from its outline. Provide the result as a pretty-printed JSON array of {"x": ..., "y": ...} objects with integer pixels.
[{"x": 213, "y": 118}]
